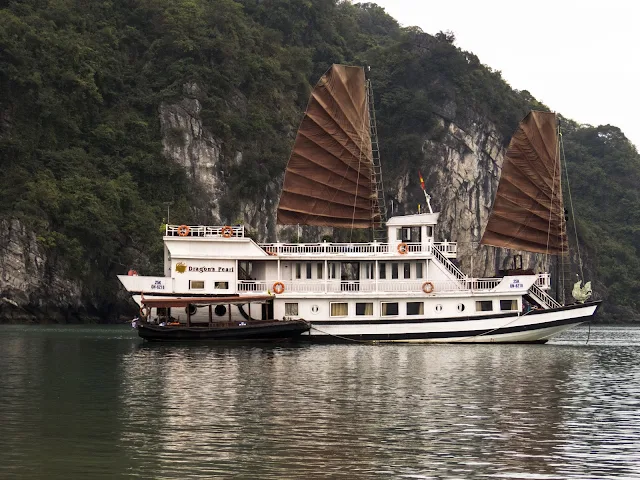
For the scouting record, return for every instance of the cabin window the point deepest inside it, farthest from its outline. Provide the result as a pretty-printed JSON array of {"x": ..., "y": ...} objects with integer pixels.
[
  {"x": 368, "y": 271},
  {"x": 196, "y": 284},
  {"x": 407, "y": 270},
  {"x": 429, "y": 231},
  {"x": 394, "y": 270},
  {"x": 364, "y": 308},
  {"x": 246, "y": 269},
  {"x": 291, "y": 309},
  {"x": 332, "y": 270},
  {"x": 382, "y": 270},
  {"x": 416, "y": 234},
  {"x": 508, "y": 305},
  {"x": 221, "y": 285},
  {"x": 484, "y": 306},
  {"x": 298, "y": 271},
  {"x": 339, "y": 309},
  {"x": 415, "y": 308},
  {"x": 389, "y": 308},
  {"x": 419, "y": 270},
  {"x": 308, "y": 271},
  {"x": 439, "y": 307},
  {"x": 319, "y": 270},
  {"x": 461, "y": 307},
  {"x": 399, "y": 234}
]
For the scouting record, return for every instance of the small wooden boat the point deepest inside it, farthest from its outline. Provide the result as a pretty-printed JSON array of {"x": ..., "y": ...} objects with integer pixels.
[{"x": 247, "y": 331}]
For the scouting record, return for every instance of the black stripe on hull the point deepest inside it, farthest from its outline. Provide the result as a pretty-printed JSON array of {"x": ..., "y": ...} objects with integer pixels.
[
  {"x": 398, "y": 337},
  {"x": 513, "y": 315}
]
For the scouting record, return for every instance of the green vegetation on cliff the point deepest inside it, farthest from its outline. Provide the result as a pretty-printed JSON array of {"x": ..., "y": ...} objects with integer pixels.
[{"x": 81, "y": 84}]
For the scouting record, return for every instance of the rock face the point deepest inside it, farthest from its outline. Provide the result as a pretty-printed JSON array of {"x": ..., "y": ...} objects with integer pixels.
[
  {"x": 464, "y": 170},
  {"x": 30, "y": 289},
  {"x": 188, "y": 143}
]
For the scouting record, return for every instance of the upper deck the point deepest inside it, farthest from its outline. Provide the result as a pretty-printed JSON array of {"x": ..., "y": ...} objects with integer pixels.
[{"x": 402, "y": 246}]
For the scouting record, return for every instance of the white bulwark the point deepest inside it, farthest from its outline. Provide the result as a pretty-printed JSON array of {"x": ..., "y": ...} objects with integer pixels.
[{"x": 408, "y": 289}]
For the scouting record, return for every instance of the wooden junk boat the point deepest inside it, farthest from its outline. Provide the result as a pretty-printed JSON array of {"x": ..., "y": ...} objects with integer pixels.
[
  {"x": 165, "y": 328},
  {"x": 403, "y": 286}
]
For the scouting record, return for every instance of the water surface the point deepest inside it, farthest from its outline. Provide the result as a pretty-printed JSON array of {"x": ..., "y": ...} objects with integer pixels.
[{"x": 96, "y": 402}]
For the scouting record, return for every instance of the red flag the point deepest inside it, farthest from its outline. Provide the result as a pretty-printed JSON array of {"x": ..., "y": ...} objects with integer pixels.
[{"x": 421, "y": 180}]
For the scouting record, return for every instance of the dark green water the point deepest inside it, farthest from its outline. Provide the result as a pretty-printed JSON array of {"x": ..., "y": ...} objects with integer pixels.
[{"x": 95, "y": 402}]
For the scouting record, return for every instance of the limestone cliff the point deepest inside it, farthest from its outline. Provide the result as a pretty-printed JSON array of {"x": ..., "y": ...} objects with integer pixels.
[
  {"x": 187, "y": 142},
  {"x": 462, "y": 169},
  {"x": 32, "y": 287}
]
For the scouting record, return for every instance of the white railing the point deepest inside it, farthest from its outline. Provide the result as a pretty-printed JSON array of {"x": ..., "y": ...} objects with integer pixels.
[
  {"x": 544, "y": 297},
  {"x": 483, "y": 284},
  {"x": 447, "y": 249},
  {"x": 544, "y": 281},
  {"x": 448, "y": 264},
  {"x": 365, "y": 286},
  {"x": 253, "y": 286},
  {"x": 203, "y": 231}
]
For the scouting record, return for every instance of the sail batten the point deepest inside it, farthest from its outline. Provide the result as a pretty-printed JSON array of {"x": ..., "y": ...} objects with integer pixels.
[
  {"x": 329, "y": 178},
  {"x": 528, "y": 211}
]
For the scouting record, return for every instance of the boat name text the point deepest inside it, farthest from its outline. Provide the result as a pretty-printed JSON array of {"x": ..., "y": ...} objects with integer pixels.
[{"x": 210, "y": 269}]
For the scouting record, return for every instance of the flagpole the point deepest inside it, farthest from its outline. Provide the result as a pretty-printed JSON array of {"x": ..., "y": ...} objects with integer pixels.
[{"x": 427, "y": 197}]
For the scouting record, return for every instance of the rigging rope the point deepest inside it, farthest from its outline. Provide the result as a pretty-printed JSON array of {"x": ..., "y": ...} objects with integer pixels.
[
  {"x": 553, "y": 194},
  {"x": 573, "y": 216}
]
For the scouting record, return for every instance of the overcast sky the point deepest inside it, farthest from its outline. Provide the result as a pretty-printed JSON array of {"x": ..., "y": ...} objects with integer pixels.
[{"x": 580, "y": 58}]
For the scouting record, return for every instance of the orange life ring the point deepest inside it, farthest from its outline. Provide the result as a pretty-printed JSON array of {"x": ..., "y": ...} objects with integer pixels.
[
  {"x": 278, "y": 287},
  {"x": 226, "y": 231},
  {"x": 403, "y": 248},
  {"x": 183, "y": 230},
  {"x": 428, "y": 287}
]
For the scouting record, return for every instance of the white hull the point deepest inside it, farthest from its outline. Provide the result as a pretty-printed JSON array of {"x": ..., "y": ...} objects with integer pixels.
[{"x": 537, "y": 326}]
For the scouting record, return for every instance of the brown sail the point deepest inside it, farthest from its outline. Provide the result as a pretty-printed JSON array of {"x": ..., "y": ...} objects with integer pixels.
[
  {"x": 528, "y": 213},
  {"x": 328, "y": 181}
]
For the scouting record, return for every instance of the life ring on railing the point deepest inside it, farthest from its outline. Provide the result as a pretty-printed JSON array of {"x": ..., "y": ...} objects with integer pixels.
[
  {"x": 428, "y": 287},
  {"x": 183, "y": 230},
  {"x": 278, "y": 287},
  {"x": 403, "y": 248},
  {"x": 145, "y": 312},
  {"x": 226, "y": 231}
]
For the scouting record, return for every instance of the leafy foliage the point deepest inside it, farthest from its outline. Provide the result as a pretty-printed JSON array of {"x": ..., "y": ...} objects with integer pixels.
[{"x": 81, "y": 147}]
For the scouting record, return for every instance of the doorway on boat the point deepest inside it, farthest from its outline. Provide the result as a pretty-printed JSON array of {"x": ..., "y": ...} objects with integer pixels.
[{"x": 350, "y": 276}]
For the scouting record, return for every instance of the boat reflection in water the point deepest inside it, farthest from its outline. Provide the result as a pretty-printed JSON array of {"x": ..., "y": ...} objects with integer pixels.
[{"x": 387, "y": 411}]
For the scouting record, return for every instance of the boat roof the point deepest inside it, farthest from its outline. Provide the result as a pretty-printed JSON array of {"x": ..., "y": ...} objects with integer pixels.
[
  {"x": 415, "y": 220},
  {"x": 184, "y": 301}
]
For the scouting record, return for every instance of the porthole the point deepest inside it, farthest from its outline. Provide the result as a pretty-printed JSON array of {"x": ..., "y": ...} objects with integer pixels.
[
  {"x": 314, "y": 309},
  {"x": 190, "y": 309},
  {"x": 220, "y": 310},
  {"x": 461, "y": 307},
  {"x": 439, "y": 307}
]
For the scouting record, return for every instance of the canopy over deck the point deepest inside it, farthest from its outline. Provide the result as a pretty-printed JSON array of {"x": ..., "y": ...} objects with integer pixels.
[{"x": 185, "y": 301}]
